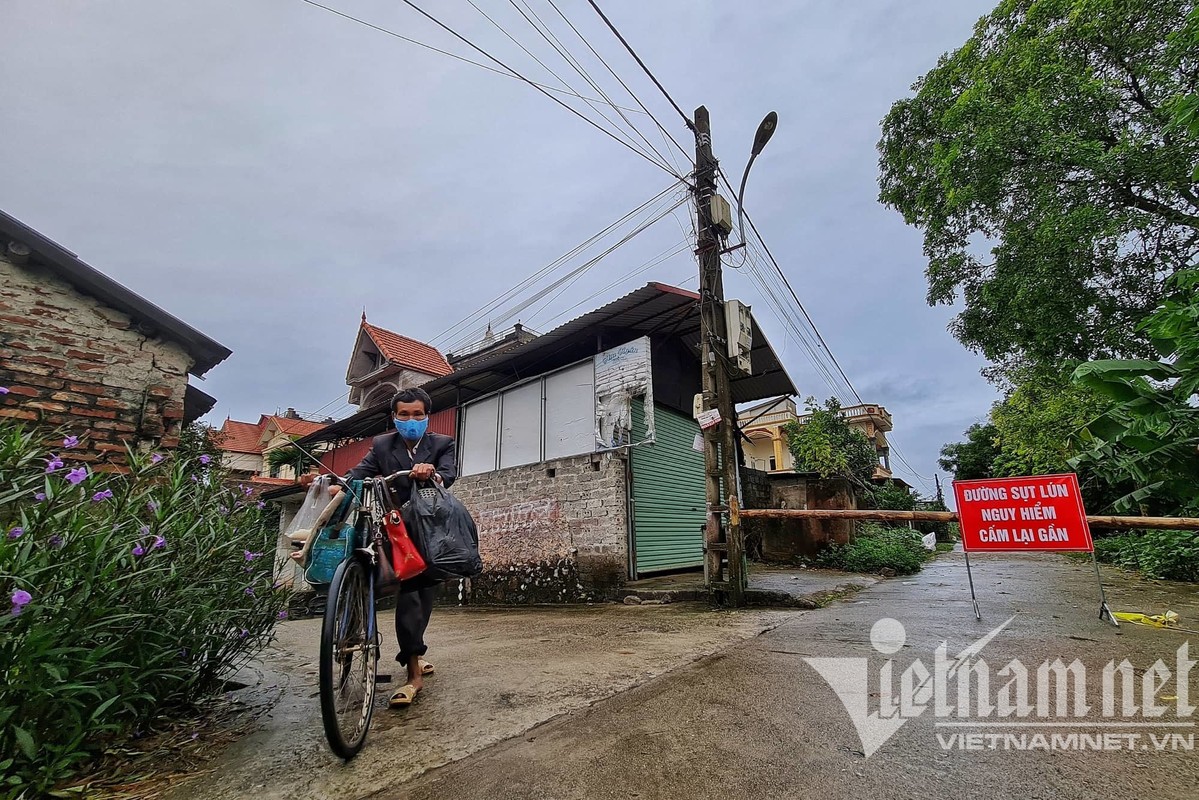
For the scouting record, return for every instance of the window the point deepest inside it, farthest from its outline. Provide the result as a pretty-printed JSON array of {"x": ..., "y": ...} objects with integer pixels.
[{"x": 547, "y": 418}]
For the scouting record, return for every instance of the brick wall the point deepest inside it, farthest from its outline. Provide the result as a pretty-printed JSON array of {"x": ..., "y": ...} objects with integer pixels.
[
  {"x": 550, "y": 532},
  {"x": 69, "y": 360}
]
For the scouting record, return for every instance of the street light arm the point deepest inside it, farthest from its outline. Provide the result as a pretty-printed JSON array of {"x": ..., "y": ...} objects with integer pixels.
[{"x": 741, "y": 196}]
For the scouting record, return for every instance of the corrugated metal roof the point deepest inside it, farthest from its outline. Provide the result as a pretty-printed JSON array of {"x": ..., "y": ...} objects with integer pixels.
[{"x": 656, "y": 310}]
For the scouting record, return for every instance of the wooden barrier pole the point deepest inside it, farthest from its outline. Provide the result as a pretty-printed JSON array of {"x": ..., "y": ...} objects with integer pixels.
[{"x": 1119, "y": 523}]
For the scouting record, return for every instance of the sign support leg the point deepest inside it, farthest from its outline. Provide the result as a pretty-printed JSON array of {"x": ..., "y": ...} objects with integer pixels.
[
  {"x": 1103, "y": 607},
  {"x": 970, "y": 577}
]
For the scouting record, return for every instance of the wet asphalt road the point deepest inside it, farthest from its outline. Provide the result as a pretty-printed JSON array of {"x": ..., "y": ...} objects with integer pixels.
[{"x": 756, "y": 721}]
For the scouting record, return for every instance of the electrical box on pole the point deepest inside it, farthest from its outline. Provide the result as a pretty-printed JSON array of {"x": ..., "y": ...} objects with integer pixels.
[
  {"x": 740, "y": 335},
  {"x": 722, "y": 215}
]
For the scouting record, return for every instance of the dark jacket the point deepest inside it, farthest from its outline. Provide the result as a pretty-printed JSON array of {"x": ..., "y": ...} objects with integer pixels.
[{"x": 389, "y": 453}]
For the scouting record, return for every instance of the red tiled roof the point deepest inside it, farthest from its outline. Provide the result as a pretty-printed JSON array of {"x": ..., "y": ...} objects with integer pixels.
[
  {"x": 239, "y": 437},
  {"x": 407, "y": 352},
  {"x": 294, "y": 427},
  {"x": 263, "y": 479}
]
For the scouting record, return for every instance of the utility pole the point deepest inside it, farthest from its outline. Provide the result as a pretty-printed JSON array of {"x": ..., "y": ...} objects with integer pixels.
[
  {"x": 722, "y": 535},
  {"x": 940, "y": 496}
]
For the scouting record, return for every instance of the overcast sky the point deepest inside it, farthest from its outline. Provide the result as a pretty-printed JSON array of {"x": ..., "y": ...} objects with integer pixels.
[{"x": 264, "y": 170}]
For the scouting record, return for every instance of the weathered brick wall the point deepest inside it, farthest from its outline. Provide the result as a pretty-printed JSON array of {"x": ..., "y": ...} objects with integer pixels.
[
  {"x": 550, "y": 532},
  {"x": 755, "y": 493},
  {"x": 69, "y": 360}
]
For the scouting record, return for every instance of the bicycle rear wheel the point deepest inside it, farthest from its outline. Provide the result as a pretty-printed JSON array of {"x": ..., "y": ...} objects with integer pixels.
[{"x": 348, "y": 660}]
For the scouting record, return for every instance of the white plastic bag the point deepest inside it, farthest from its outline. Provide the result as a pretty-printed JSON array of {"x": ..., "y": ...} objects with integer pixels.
[{"x": 319, "y": 505}]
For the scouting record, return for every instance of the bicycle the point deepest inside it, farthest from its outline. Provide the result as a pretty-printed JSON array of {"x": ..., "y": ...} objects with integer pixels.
[{"x": 350, "y": 641}]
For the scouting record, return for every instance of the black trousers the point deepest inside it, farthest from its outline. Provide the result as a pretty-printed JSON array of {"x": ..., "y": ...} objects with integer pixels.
[{"x": 413, "y": 609}]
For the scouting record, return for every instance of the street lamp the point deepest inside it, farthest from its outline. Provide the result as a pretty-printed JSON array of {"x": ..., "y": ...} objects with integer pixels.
[{"x": 765, "y": 131}]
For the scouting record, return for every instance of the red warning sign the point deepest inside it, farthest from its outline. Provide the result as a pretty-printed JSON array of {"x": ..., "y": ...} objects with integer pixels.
[{"x": 1016, "y": 514}]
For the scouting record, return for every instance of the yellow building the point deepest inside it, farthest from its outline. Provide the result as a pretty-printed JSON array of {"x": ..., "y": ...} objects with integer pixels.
[{"x": 767, "y": 448}]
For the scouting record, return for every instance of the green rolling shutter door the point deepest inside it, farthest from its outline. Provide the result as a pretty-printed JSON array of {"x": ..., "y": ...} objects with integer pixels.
[{"x": 668, "y": 493}]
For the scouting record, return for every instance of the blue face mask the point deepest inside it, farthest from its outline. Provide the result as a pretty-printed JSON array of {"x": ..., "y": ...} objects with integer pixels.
[{"x": 411, "y": 429}]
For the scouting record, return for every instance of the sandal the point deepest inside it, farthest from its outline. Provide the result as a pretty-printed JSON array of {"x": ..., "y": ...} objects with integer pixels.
[
  {"x": 403, "y": 696},
  {"x": 426, "y": 668}
]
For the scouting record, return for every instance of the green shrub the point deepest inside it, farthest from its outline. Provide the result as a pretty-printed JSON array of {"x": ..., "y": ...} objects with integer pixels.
[
  {"x": 1173, "y": 555},
  {"x": 876, "y": 548},
  {"x": 131, "y": 595}
]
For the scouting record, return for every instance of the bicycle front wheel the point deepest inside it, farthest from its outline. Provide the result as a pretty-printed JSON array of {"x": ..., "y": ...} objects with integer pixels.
[{"x": 348, "y": 660}]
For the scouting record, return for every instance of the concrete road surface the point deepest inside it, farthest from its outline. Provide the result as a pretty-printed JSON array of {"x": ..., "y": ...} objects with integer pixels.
[{"x": 757, "y": 721}]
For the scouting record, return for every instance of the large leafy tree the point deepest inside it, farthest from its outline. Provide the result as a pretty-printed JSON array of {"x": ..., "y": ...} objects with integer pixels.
[
  {"x": 1049, "y": 139},
  {"x": 973, "y": 458}
]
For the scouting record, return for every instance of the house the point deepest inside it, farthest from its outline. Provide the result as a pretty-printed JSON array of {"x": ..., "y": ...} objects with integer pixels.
[
  {"x": 578, "y": 450},
  {"x": 79, "y": 350},
  {"x": 383, "y": 362},
  {"x": 765, "y": 445},
  {"x": 247, "y": 445},
  {"x": 765, "y": 424}
]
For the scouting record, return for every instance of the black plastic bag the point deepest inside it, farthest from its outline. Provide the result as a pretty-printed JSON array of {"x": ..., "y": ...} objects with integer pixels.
[{"x": 444, "y": 532}]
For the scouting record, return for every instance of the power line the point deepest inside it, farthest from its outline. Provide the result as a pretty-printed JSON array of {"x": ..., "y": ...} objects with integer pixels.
[
  {"x": 661, "y": 162},
  {"x": 570, "y": 276},
  {"x": 455, "y": 56},
  {"x": 554, "y": 42},
  {"x": 637, "y": 58},
  {"x": 574, "y": 111},
  {"x": 654, "y": 261},
  {"x": 492, "y": 305},
  {"x": 665, "y": 134}
]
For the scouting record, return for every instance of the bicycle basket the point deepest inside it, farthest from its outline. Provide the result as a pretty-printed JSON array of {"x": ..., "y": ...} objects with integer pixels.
[{"x": 333, "y": 544}]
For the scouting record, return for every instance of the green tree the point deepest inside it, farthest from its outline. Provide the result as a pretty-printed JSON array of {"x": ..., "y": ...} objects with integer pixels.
[
  {"x": 1148, "y": 439},
  {"x": 894, "y": 497},
  {"x": 1050, "y": 138},
  {"x": 1039, "y": 425},
  {"x": 827, "y": 445},
  {"x": 973, "y": 458}
]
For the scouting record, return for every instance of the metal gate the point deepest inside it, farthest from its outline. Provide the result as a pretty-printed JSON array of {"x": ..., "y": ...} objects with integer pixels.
[{"x": 668, "y": 493}]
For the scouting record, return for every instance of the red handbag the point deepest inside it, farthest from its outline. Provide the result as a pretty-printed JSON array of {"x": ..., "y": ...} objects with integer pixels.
[{"x": 406, "y": 560}]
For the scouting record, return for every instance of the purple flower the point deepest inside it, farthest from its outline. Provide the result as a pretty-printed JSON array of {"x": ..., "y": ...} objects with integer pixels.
[
  {"x": 144, "y": 530},
  {"x": 155, "y": 458},
  {"x": 20, "y": 599},
  {"x": 261, "y": 504},
  {"x": 248, "y": 569},
  {"x": 100, "y": 497},
  {"x": 223, "y": 510},
  {"x": 152, "y": 507},
  {"x": 16, "y": 533},
  {"x": 70, "y": 441},
  {"x": 250, "y": 556},
  {"x": 249, "y": 490},
  {"x": 244, "y": 633},
  {"x": 40, "y": 496},
  {"x": 205, "y": 459},
  {"x": 195, "y": 479},
  {"x": 282, "y": 615},
  {"x": 249, "y": 591},
  {"x": 77, "y": 476},
  {"x": 55, "y": 542},
  {"x": 138, "y": 550},
  {"x": 159, "y": 542},
  {"x": 53, "y": 463},
  {"x": 3, "y": 390}
]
